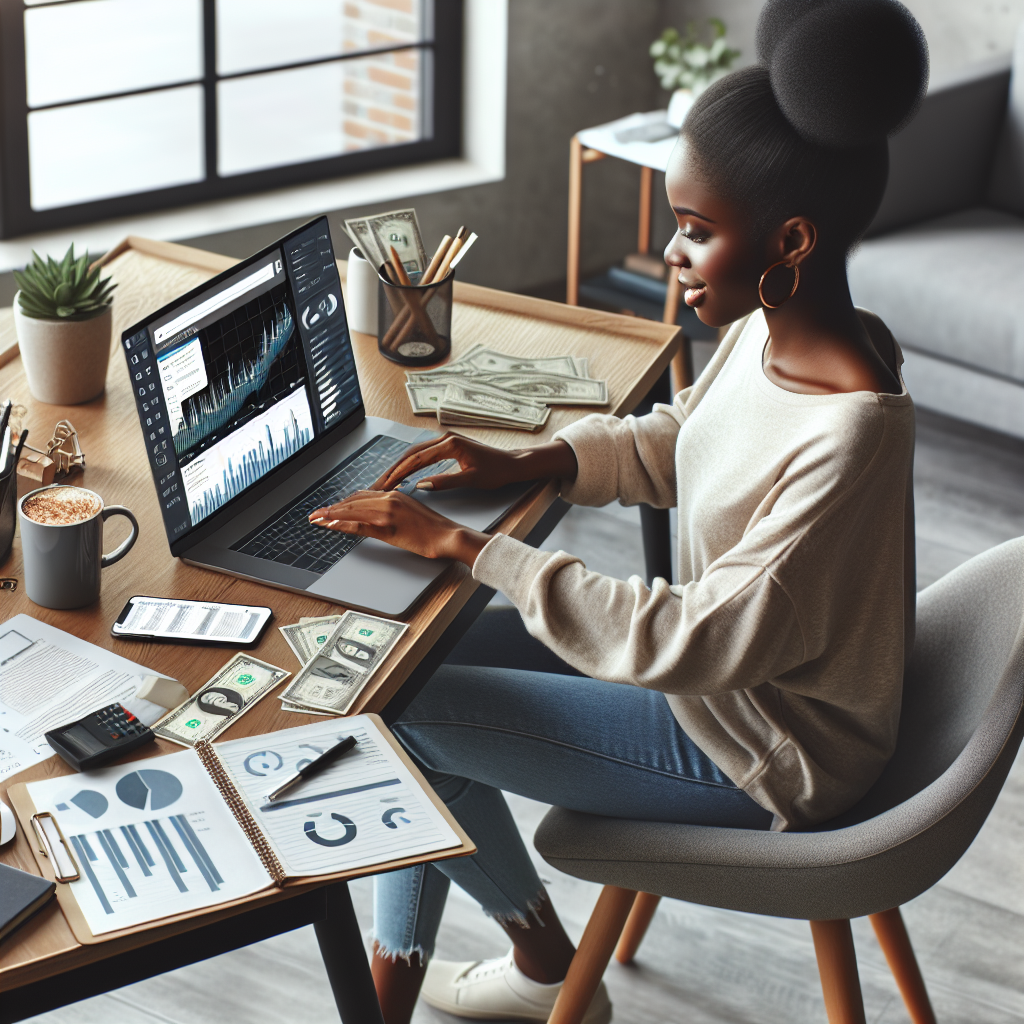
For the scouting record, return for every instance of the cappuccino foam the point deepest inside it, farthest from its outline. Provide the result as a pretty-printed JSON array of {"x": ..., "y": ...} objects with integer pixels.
[{"x": 61, "y": 506}]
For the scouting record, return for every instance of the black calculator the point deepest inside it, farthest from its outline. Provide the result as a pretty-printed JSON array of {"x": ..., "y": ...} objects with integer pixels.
[{"x": 100, "y": 737}]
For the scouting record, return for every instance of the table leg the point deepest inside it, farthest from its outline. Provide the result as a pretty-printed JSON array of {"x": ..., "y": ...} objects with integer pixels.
[
  {"x": 655, "y": 525},
  {"x": 348, "y": 970},
  {"x": 643, "y": 235},
  {"x": 656, "y": 530},
  {"x": 572, "y": 267}
]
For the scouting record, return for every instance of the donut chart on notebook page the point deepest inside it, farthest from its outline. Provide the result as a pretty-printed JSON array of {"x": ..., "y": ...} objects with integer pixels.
[
  {"x": 309, "y": 828},
  {"x": 148, "y": 789}
]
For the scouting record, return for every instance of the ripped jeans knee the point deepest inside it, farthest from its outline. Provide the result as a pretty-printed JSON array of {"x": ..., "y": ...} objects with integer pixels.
[{"x": 500, "y": 876}]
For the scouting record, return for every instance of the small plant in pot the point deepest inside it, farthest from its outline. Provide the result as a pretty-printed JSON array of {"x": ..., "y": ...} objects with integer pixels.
[
  {"x": 686, "y": 66},
  {"x": 63, "y": 321}
]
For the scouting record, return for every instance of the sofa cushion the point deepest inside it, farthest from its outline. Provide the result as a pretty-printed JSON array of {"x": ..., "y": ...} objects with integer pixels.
[
  {"x": 1007, "y": 188},
  {"x": 952, "y": 287}
]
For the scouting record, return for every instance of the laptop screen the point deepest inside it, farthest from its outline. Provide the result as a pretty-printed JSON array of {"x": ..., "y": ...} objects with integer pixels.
[{"x": 243, "y": 374}]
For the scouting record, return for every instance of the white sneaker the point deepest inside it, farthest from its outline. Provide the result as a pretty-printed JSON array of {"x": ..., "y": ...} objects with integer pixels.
[{"x": 498, "y": 990}]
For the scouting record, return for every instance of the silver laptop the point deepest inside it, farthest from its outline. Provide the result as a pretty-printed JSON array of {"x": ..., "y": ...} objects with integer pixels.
[{"x": 250, "y": 407}]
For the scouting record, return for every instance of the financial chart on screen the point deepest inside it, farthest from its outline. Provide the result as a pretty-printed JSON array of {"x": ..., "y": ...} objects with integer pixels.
[{"x": 238, "y": 380}]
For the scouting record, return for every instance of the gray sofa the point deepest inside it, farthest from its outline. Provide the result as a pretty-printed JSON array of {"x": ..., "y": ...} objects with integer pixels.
[{"x": 943, "y": 261}]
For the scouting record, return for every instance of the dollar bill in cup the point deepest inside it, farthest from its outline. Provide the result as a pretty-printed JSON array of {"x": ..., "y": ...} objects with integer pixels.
[
  {"x": 241, "y": 683},
  {"x": 400, "y": 229},
  {"x": 334, "y": 678}
]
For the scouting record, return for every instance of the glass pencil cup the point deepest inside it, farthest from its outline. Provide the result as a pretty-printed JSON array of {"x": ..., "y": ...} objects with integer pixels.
[{"x": 414, "y": 322}]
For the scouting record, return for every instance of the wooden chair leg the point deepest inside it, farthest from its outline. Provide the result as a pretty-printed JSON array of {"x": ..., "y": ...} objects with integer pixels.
[
  {"x": 837, "y": 965},
  {"x": 895, "y": 942},
  {"x": 592, "y": 955},
  {"x": 639, "y": 919}
]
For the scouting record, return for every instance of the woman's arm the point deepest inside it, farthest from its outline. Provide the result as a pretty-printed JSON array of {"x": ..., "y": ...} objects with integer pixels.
[
  {"x": 398, "y": 519},
  {"x": 716, "y": 634},
  {"x": 480, "y": 465}
]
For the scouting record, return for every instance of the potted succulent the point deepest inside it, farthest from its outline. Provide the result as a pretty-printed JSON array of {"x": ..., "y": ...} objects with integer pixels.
[
  {"x": 686, "y": 65},
  {"x": 63, "y": 321}
]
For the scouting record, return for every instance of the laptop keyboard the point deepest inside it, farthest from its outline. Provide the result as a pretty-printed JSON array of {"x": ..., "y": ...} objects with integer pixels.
[{"x": 291, "y": 539}]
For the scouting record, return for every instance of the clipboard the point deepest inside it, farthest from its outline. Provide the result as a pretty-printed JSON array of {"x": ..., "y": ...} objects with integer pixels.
[{"x": 28, "y": 813}]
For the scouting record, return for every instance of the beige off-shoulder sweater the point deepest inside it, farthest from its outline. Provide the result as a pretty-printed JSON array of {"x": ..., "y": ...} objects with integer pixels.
[{"x": 781, "y": 649}]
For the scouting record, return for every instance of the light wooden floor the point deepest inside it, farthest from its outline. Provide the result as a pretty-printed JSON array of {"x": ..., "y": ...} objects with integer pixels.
[{"x": 703, "y": 966}]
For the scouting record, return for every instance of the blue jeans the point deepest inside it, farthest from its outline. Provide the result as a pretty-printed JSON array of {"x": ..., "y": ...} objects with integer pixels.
[{"x": 536, "y": 727}]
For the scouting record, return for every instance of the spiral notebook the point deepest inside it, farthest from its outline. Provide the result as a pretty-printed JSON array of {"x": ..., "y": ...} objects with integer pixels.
[{"x": 162, "y": 838}]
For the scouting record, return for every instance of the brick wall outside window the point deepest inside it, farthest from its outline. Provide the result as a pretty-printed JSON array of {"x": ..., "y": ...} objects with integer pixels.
[{"x": 381, "y": 94}]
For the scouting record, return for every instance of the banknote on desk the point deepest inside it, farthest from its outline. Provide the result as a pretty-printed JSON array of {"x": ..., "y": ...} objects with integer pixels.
[
  {"x": 338, "y": 672},
  {"x": 488, "y": 388},
  {"x": 242, "y": 682},
  {"x": 307, "y": 636}
]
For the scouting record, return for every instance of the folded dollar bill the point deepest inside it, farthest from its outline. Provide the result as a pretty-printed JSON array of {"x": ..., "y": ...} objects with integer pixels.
[
  {"x": 242, "y": 682},
  {"x": 306, "y": 637},
  {"x": 470, "y": 397},
  {"x": 336, "y": 675},
  {"x": 299, "y": 709},
  {"x": 551, "y": 388},
  {"x": 486, "y": 388}
]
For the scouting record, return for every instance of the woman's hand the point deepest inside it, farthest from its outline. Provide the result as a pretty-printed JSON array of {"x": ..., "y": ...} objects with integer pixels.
[
  {"x": 480, "y": 466},
  {"x": 397, "y": 519}
]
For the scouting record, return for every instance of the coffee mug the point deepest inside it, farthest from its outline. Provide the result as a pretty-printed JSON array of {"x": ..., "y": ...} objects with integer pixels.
[{"x": 62, "y": 544}]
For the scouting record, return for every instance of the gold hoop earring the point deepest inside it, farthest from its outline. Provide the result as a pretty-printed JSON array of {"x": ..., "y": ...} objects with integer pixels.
[{"x": 796, "y": 282}]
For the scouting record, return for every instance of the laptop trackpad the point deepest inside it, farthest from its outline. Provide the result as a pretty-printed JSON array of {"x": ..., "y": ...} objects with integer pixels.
[
  {"x": 478, "y": 510},
  {"x": 385, "y": 579}
]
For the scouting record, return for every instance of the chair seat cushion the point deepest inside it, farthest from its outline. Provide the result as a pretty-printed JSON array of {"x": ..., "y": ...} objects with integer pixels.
[{"x": 950, "y": 287}]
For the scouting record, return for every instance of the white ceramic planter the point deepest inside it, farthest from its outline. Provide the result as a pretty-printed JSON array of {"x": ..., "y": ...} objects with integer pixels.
[
  {"x": 679, "y": 106},
  {"x": 65, "y": 360}
]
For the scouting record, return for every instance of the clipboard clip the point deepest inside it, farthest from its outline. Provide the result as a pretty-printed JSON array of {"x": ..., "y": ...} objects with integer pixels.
[{"x": 47, "y": 850}]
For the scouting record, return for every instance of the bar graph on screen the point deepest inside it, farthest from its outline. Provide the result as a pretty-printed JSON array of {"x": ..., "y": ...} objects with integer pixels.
[{"x": 247, "y": 454}]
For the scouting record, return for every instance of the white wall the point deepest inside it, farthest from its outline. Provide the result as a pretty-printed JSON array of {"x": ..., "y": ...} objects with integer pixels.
[{"x": 959, "y": 32}]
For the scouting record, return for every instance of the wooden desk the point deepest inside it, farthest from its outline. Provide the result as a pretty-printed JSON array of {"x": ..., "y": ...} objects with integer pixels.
[{"x": 631, "y": 353}]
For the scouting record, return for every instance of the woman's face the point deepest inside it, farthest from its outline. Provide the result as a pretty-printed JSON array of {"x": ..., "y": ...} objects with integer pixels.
[{"x": 718, "y": 266}]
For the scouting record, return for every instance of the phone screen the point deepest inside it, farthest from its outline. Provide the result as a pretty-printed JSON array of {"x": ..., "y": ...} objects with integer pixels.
[{"x": 191, "y": 621}]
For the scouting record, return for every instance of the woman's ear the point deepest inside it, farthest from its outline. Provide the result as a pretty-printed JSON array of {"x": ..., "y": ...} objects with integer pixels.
[{"x": 796, "y": 239}]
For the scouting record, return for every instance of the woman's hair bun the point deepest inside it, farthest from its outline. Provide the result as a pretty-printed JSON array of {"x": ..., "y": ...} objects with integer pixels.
[{"x": 845, "y": 73}]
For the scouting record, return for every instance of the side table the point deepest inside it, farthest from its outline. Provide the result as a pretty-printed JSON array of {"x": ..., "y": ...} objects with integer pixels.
[{"x": 598, "y": 143}]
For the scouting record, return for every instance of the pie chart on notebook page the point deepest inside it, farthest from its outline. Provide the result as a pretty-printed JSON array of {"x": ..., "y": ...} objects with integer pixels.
[{"x": 148, "y": 789}]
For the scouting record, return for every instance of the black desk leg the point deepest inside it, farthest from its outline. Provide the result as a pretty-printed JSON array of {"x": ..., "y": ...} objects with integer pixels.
[
  {"x": 654, "y": 522},
  {"x": 348, "y": 970},
  {"x": 657, "y": 535}
]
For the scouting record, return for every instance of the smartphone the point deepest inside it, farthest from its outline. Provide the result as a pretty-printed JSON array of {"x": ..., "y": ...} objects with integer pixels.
[{"x": 208, "y": 623}]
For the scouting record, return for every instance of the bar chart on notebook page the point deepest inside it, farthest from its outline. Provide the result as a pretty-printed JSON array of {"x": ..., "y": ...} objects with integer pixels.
[{"x": 151, "y": 839}]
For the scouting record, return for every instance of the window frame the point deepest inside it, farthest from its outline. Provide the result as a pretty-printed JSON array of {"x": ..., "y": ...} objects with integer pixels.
[{"x": 442, "y": 86}]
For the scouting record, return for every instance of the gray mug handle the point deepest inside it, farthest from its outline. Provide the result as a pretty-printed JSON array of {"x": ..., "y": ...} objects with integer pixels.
[{"x": 119, "y": 552}]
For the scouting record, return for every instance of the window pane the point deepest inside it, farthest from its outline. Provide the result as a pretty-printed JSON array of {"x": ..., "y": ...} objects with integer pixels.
[
  {"x": 289, "y": 117},
  {"x": 98, "y": 47},
  {"x": 115, "y": 147},
  {"x": 253, "y": 34}
]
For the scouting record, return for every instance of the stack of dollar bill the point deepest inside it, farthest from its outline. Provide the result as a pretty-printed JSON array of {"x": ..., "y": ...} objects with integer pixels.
[
  {"x": 339, "y": 655},
  {"x": 487, "y": 388},
  {"x": 377, "y": 234}
]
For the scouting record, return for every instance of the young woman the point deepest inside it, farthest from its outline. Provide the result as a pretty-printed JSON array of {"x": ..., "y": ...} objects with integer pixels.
[{"x": 763, "y": 689}]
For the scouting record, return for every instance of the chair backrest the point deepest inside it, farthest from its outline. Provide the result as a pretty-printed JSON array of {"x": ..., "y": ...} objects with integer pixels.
[{"x": 963, "y": 677}]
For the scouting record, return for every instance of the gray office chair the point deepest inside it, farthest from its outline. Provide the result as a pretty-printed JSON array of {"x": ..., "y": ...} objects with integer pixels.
[{"x": 960, "y": 729}]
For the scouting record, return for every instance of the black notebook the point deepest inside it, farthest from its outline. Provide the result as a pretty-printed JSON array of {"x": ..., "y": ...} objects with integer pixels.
[{"x": 21, "y": 895}]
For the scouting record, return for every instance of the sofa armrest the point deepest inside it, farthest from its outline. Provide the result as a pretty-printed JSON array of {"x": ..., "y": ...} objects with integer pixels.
[{"x": 942, "y": 161}]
